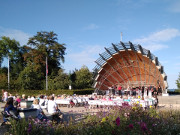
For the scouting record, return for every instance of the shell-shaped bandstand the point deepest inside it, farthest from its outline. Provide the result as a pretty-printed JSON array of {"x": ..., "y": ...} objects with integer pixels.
[{"x": 128, "y": 65}]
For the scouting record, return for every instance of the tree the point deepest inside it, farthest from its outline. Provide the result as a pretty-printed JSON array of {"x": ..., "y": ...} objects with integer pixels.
[
  {"x": 3, "y": 81},
  {"x": 29, "y": 79},
  {"x": 28, "y": 63},
  {"x": 61, "y": 81},
  {"x": 83, "y": 78},
  {"x": 11, "y": 48},
  {"x": 178, "y": 82},
  {"x": 45, "y": 44}
]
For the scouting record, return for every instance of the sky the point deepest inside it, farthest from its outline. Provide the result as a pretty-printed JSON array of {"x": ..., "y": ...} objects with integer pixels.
[{"x": 87, "y": 26}]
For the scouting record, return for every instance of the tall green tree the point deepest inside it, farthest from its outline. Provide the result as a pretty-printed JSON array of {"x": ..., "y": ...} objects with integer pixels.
[
  {"x": 3, "y": 81},
  {"x": 28, "y": 63},
  {"x": 45, "y": 44},
  {"x": 178, "y": 82},
  {"x": 83, "y": 78},
  {"x": 11, "y": 48},
  {"x": 8, "y": 47},
  {"x": 61, "y": 81},
  {"x": 29, "y": 79}
]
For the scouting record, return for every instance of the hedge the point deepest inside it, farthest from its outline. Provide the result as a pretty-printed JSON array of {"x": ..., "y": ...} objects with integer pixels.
[
  {"x": 50, "y": 92},
  {"x": 176, "y": 92}
]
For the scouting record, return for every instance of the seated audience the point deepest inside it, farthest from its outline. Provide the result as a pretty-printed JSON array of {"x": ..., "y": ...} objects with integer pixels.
[
  {"x": 53, "y": 109},
  {"x": 10, "y": 107},
  {"x": 17, "y": 102},
  {"x": 40, "y": 114},
  {"x": 23, "y": 97}
]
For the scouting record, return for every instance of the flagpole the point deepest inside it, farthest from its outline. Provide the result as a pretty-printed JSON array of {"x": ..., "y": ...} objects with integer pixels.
[
  {"x": 46, "y": 74},
  {"x": 8, "y": 73}
]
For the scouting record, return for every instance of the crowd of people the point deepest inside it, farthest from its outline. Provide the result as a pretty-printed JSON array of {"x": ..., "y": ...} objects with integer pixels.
[
  {"x": 143, "y": 91},
  {"x": 48, "y": 104},
  {"x": 43, "y": 104}
]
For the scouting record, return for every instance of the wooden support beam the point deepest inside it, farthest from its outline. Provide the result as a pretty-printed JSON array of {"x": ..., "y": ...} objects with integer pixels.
[
  {"x": 107, "y": 71},
  {"x": 116, "y": 49},
  {"x": 133, "y": 49},
  {"x": 112, "y": 67},
  {"x": 102, "y": 82},
  {"x": 129, "y": 58},
  {"x": 154, "y": 80},
  {"x": 142, "y": 52},
  {"x": 117, "y": 63},
  {"x": 149, "y": 70},
  {"x": 149, "y": 55}
]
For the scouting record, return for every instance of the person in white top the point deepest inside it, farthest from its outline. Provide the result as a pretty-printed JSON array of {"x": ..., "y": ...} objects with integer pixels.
[
  {"x": 5, "y": 95},
  {"x": 145, "y": 92},
  {"x": 40, "y": 114},
  {"x": 36, "y": 106},
  {"x": 150, "y": 93},
  {"x": 42, "y": 102},
  {"x": 52, "y": 106},
  {"x": 29, "y": 98},
  {"x": 53, "y": 110}
]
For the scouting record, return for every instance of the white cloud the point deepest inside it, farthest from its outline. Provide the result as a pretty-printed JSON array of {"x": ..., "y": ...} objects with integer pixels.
[
  {"x": 155, "y": 47},
  {"x": 164, "y": 62},
  {"x": 18, "y": 35},
  {"x": 91, "y": 26},
  {"x": 163, "y": 35},
  {"x": 86, "y": 56},
  {"x": 175, "y": 7},
  {"x": 153, "y": 41},
  {"x": 177, "y": 64}
]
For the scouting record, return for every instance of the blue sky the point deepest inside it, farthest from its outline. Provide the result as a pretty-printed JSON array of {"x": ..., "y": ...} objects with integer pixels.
[{"x": 87, "y": 26}]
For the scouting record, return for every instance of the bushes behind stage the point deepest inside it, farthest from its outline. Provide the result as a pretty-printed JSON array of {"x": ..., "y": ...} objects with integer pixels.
[
  {"x": 50, "y": 92},
  {"x": 175, "y": 92}
]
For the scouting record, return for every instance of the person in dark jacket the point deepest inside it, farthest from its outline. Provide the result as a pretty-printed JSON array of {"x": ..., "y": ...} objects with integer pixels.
[{"x": 9, "y": 107}]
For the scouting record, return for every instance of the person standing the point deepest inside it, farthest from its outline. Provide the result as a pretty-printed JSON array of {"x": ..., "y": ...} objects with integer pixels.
[
  {"x": 156, "y": 102},
  {"x": 119, "y": 90},
  {"x": 142, "y": 91},
  {"x": 150, "y": 92},
  {"x": 155, "y": 92},
  {"x": 113, "y": 89},
  {"x": 5, "y": 95},
  {"x": 159, "y": 90},
  {"x": 145, "y": 92}
]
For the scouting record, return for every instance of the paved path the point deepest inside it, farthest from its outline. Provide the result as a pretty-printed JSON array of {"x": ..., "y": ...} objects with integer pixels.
[{"x": 169, "y": 102}]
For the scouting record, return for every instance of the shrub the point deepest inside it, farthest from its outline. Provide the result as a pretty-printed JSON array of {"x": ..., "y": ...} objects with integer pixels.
[
  {"x": 176, "y": 92},
  {"x": 114, "y": 121},
  {"x": 50, "y": 92}
]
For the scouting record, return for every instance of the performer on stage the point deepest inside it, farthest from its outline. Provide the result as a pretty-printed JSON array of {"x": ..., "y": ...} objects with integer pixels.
[{"x": 145, "y": 92}]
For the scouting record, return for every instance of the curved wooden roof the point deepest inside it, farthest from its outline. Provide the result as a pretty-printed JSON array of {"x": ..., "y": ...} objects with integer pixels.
[{"x": 128, "y": 65}]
